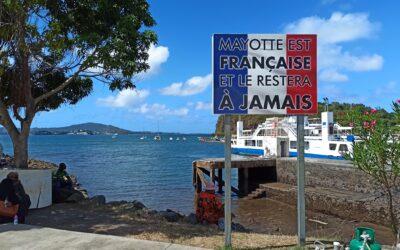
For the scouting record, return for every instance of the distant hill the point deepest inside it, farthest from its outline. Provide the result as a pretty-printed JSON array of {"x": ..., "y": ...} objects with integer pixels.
[
  {"x": 342, "y": 115},
  {"x": 89, "y": 128}
]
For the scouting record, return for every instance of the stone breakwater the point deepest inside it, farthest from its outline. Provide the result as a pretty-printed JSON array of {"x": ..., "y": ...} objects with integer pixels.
[
  {"x": 8, "y": 163},
  {"x": 140, "y": 210}
]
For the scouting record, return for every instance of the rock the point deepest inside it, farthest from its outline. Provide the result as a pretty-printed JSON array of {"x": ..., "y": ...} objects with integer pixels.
[
  {"x": 238, "y": 227},
  {"x": 117, "y": 203},
  {"x": 138, "y": 205},
  {"x": 235, "y": 226},
  {"x": 152, "y": 212},
  {"x": 98, "y": 200},
  {"x": 170, "y": 215},
  {"x": 75, "y": 197},
  {"x": 62, "y": 194},
  {"x": 191, "y": 219}
]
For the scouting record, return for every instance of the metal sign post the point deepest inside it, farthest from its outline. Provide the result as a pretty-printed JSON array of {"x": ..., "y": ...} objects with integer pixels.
[
  {"x": 228, "y": 212},
  {"x": 301, "y": 211}
]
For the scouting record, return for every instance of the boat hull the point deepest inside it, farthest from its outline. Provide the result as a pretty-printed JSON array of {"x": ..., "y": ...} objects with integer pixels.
[
  {"x": 260, "y": 152},
  {"x": 247, "y": 151},
  {"x": 319, "y": 156}
]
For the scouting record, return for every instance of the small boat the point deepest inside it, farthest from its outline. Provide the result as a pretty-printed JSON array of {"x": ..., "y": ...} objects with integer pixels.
[
  {"x": 143, "y": 137},
  {"x": 177, "y": 138},
  {"x": 158, "y": 137},
  {"x": 211, "y": 139},
  {"x": 114, "y": 136},
  {"x": 171, "y": 139},
  {"x": 184, "y": 138}
]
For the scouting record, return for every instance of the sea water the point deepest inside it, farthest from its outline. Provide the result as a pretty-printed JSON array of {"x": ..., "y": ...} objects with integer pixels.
[{"x": 157, "y": 173}]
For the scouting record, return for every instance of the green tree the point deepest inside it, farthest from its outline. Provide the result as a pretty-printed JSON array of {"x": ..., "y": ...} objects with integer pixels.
[
  {"x": 52, "y": 50},
  {"x": 378, "y": 154}
]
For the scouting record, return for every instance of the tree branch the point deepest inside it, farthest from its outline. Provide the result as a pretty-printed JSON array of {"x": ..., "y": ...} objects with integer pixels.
[
  {"x": 62, "y": 86},
  {"x": 6, "y": 121},
  {"x": 16, "y": 114},
  {"x": 56, "y": 90}
]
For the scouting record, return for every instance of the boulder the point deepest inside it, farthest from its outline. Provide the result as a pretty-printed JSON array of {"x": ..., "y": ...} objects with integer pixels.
[
  {"x": 138, "y": 205},
  {"x": 62, "y": 194},
  {"x": 238, "y": 227},
  {"x": 152, "y": 212},
  {"x": 75, "y": 197},
  {"x": 170, "y": 215},
  {"x": 235, "y": 226},
  {"x": 117, "y": 203},
  {"x": 98, "y": 200},
  {"x": 191, "y": 219}
]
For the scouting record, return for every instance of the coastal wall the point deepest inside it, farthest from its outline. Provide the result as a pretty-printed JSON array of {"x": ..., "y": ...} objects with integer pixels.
[
  {"x": 338, "y": 174},
  {"x": 332, "y": 187},
  {"x": 37, "y": 184}
]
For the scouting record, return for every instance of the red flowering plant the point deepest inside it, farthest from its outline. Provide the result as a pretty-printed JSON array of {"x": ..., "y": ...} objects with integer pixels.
[{"x": 377, "y": 153}]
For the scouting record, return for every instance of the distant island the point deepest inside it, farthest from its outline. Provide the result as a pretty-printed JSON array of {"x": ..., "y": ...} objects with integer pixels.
[
  {"x": 92, "y": 128},
  {"x": 89, "y": 128}
]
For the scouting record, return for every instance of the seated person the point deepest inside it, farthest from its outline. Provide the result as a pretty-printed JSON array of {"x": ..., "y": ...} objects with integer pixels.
[
  {"x": 12, "y": 192},
  {"x": 61, "y": 178},
  {"x": 23, "y": 199},
  {"x": 62, "y": 184}
]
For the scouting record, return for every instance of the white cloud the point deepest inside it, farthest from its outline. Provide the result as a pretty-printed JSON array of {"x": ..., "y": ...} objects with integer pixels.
[
  {"x": 192, "y": 86},
  {"x": 157, "y": 109},
  {"x": 157, "y": 56},
  {"x": 124, "y": 98},
  {"x": 203, "y": 106},
  {"x": 337, "y": 29},
  {"x": 331, "y": 75}
]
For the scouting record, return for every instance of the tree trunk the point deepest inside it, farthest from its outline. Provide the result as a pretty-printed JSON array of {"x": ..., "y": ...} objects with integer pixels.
[
  {"x": 20, "y": 145},
  {"x": 393, "y": 217}
]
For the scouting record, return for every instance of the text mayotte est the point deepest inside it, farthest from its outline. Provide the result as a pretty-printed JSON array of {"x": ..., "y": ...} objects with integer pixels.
[{"x": 264, "y": 74}]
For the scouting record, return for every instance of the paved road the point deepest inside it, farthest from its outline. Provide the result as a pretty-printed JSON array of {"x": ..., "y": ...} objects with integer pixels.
[{"x": 32, "y": 237}]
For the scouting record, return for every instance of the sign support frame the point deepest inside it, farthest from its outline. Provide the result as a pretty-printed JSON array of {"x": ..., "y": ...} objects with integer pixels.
[
  {"x": 301, "y": 212},
  {"x": 227, "y": 207}
]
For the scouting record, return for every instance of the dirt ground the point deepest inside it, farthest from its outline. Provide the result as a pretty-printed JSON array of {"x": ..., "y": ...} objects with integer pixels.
[
  {"x": 273, "y": 225},
  {"x": 140, "y": 224},
  {"x": 274, "y": 217}
]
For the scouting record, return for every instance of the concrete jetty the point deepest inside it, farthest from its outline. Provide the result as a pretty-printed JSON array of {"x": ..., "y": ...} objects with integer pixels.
[{"x": 20, "y": 236}]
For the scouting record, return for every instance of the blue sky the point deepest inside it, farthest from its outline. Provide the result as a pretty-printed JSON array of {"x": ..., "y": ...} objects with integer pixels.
[{"x": 357, "y": 58}]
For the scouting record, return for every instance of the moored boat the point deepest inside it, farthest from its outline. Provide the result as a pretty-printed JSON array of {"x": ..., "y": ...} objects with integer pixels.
[{"x": 277, "y": 137}]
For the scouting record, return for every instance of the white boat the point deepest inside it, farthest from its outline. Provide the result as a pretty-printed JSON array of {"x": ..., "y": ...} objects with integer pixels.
[
  {"x": 114, "y": 136},
  {"x": 277, "y": 137},
  {"x": 177, "y": 138},
  {"x": 143, "y": 137},
  {"x": 158, "y": 137},
  {"x": 171, "y": 139},
  {"x": 184, "y": 138}
]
